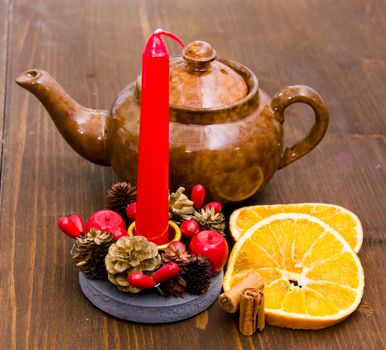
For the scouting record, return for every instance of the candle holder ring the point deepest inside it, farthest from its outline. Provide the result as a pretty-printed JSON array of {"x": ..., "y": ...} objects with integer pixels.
[{"x": 174, "y": 234}]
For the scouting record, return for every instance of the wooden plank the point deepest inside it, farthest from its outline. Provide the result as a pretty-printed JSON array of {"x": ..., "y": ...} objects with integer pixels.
[
  {"x": 94, "y": 49},
  {"x": 4, "y": 9},
  {"x": 4, "y": 32},
  {"x": 349, "y": 171},
  {"x": 337, "y": 172},
  {"x": 55, "y": 301}
]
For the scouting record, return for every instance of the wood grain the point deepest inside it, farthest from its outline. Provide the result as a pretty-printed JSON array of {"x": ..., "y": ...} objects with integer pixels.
[
  {"x": 4, "y": 31},
  {"x": 94, "y": 48}
]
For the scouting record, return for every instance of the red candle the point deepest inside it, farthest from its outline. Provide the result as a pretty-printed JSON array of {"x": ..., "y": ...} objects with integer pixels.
[{"x": 153, "y": 159}]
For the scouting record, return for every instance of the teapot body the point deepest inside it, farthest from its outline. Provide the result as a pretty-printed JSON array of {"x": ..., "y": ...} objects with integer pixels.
[
  {"x": 225, "y": 133},
  {"x": 233, "y": 150}
]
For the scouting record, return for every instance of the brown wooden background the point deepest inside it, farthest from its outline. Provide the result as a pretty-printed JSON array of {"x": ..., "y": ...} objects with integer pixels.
[{"x": 94, "y": 48}]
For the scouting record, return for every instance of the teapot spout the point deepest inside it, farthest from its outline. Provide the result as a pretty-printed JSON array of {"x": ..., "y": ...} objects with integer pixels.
[{"x": 83, "y": 128}]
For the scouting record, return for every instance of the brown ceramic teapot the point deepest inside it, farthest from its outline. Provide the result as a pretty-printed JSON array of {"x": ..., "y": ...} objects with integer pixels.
[{"x": 225, "y": 132}]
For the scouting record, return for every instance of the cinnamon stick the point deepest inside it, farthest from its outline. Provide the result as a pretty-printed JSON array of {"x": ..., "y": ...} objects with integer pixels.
[
  {"x": 230, "y": 300},
  {"x": 261, "y": 315},
  {"x": 251, "y": 311}
]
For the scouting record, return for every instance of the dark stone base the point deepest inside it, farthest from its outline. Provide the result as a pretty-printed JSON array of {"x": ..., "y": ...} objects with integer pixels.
[{"x": 148, "y": 306}]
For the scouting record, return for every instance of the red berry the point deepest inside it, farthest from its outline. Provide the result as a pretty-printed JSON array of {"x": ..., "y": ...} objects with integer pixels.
[
  {"x": 141, "y": 281},
  {"x": 117, "y": 232},
  {"x": 178, "y": 244},
  {"x": 166, "y": 272},
  {"x": 215, "y": 205},
  {"x": 131, "y": 211},
  {"x": 105, "y": 220},
  {"x": 198, "y": 196},
  {"x": 68, "y": 227},
  {"x": 189, "y": 228},
  {"x": 78, "y": 221}
]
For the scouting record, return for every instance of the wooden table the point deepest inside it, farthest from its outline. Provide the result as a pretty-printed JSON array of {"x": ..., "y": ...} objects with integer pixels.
[{"x": 94, "y": 48}]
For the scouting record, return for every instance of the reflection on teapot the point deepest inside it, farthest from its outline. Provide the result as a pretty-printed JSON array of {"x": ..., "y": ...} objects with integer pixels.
[{"x": 225, "y": 132}]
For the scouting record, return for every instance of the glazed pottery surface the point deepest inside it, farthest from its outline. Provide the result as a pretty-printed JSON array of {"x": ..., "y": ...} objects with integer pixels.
[{"x": 225, "y": 132}]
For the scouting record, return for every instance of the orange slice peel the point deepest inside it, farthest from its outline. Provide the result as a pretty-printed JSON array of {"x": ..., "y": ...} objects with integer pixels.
[
  {"x": 342, "y": 220},
  {"x": 313, "y": 279}
]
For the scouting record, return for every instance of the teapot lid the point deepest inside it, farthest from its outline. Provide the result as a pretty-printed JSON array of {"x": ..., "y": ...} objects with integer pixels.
[{"x": 198, "y": 80}]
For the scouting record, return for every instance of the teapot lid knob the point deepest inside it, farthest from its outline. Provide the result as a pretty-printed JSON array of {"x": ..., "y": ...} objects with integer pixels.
[{"x": 198, "y": 55}]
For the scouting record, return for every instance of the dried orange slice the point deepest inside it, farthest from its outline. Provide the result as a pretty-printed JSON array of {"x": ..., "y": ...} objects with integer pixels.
[
  {"x": 313, "y": 279},
  {"x": 340, "y": 219}
]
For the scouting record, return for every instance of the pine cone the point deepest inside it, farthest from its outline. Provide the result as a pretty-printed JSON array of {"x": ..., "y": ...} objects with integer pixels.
[
  {"x": 180, "y": 206},
  {"x": 89, "y": 252},
  {"x": 208, "y": 219},
  {"x": 198, "y": 274},
  {"x": 128, "y": 255},
  {"x": 176, "y": 254},
  {"x": 119, "y": 196},
  {"x": 176, "y": 287}
]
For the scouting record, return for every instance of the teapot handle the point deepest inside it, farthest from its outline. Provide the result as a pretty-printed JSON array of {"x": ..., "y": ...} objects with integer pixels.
[{"x": 307, "y": 95}]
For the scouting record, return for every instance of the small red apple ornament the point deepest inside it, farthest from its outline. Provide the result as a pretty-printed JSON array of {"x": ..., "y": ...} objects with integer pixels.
[
  {"x": 189, "y": 228},
  {"x": 215, "y": 205},
  {"x": 212, "y": 245},
  {"x": 131, "y": 211},
  {"x": 117, "y": 232},
  {"x": 105, "y": 220}
]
